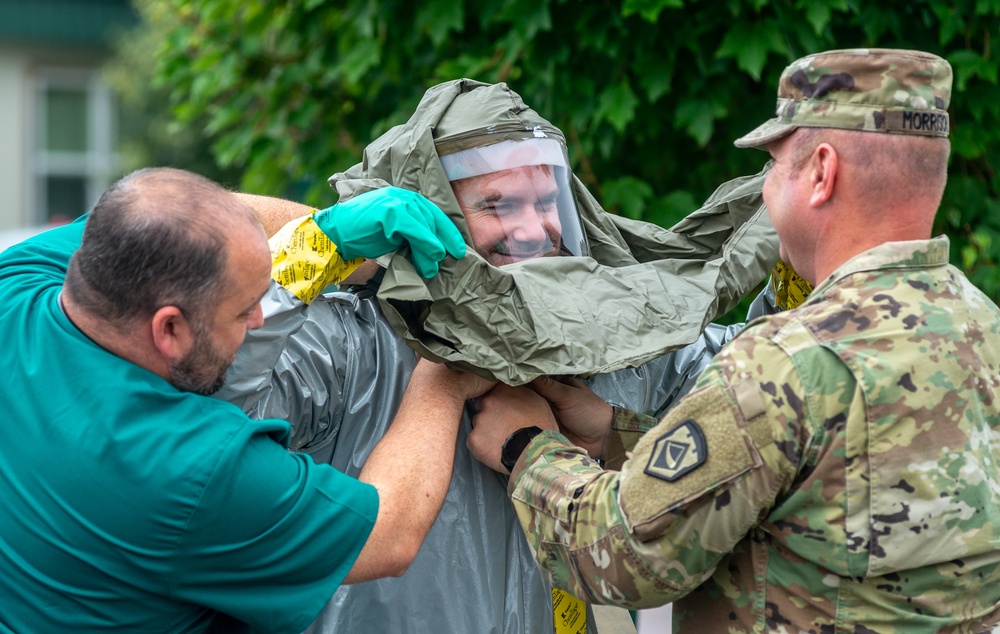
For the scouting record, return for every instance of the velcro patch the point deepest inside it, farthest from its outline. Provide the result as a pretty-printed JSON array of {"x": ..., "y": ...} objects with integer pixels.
[
  {"x": 700, "y": 445},
  {"x": 678, "y": 452}
]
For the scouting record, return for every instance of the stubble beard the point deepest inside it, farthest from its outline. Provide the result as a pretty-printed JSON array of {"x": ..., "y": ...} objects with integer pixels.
[{"x": 203, "y": 370}]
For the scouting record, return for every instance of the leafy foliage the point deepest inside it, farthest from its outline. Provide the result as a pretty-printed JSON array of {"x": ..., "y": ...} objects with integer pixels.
[
  {"x": 148, "y": 131},
  {"x": 651, "y": 93}
]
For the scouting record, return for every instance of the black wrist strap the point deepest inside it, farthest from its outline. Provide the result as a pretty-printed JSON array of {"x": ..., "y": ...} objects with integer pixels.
[{"x": 515, "y": 445}]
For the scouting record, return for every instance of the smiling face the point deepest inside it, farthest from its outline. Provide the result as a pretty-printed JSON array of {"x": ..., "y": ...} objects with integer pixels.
[{"x": 512, "y": 214}]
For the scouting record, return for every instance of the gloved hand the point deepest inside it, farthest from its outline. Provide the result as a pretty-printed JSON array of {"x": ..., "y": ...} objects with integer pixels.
[{"x": 379, "y": 221}]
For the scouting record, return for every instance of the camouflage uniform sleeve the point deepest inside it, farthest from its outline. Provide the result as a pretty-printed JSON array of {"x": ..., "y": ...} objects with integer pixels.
[
  {"x": 693, "y": 487},
  {"x": 626, "y": 429}
]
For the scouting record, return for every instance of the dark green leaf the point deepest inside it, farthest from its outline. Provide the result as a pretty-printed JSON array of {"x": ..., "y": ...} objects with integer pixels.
[
  {"x": 649, "y": 9},
  {"x": 617, "y": 105}
]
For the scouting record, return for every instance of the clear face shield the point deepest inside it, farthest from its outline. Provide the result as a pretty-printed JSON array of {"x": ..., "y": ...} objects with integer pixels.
[{"x": 517, "y": 199}]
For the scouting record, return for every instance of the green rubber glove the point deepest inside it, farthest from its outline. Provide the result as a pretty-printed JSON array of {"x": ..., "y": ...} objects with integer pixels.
[{"x": 380, "y": 221}]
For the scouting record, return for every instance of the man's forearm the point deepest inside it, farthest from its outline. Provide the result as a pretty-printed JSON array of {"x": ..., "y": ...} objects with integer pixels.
[
  {"x": 553, "y": 487},
  {"x": 274, "y": 213},
  {"x": 411, "y": 468},
  {"x": 568, "y": 507}
]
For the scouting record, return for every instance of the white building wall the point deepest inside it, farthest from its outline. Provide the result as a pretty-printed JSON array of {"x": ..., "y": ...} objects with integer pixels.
[
  {"x": 14, "y": 125},
  {"x": 24, "y": 71}
]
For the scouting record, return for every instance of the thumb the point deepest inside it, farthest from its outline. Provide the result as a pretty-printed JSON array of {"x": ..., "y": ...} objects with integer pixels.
[{"x": 548, "y": 388}]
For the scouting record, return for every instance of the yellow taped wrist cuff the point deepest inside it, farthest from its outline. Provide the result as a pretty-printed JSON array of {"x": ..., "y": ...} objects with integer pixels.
[{"x": 305, "y": 261}]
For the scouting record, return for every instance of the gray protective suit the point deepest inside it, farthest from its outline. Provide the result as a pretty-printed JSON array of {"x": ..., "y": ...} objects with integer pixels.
[{"x": 337, "y": 369}]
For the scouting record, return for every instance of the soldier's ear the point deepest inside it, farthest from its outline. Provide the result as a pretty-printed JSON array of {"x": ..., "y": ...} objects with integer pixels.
[{"x": 822, "y": 172}]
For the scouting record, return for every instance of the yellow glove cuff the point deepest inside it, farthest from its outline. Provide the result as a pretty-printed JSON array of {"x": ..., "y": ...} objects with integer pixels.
[{"x": 305, "y": 261}]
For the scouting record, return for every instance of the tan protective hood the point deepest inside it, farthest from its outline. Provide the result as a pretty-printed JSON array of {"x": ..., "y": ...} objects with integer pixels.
[{"x": 644, "y": 292}]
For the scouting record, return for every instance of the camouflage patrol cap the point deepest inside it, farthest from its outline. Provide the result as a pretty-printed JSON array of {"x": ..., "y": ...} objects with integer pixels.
[{"x": 871, "y": 89}]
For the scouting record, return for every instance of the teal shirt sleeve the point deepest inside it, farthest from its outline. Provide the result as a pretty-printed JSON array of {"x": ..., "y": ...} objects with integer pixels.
[
  {"x": 273, "y": 535},
  {"x": 40, "y": 262}
]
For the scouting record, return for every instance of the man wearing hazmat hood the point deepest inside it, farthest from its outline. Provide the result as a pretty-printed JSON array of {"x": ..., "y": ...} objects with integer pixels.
[{"x": 624, "y": 295}]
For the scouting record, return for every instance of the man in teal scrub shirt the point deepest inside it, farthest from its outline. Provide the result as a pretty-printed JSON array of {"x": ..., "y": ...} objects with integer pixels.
[{"x": 134, "y": 502}]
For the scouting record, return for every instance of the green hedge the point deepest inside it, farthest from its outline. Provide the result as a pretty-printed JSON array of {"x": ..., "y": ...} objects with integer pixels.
[{"x": 651, "y": 93}]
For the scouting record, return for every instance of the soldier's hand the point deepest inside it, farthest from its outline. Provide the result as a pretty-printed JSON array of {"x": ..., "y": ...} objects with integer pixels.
[
  {"x": 583, "y": 416},
  {"x": 502, "y": 411}
]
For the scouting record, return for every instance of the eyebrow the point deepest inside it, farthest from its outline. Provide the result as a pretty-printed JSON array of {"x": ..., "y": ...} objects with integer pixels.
[
  {"x": 256, "y": 303},
  {"x": 497, "y": 195}
]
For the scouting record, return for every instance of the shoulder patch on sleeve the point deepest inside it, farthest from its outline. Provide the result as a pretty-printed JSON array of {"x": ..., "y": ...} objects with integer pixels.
[
  {"x": 677, "y": 452},
  {"x": 703, "y": 443}
]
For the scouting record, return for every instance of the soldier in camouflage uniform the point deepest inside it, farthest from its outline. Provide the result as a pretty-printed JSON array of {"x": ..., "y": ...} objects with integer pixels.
[{"x": 835, "y": 469}]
